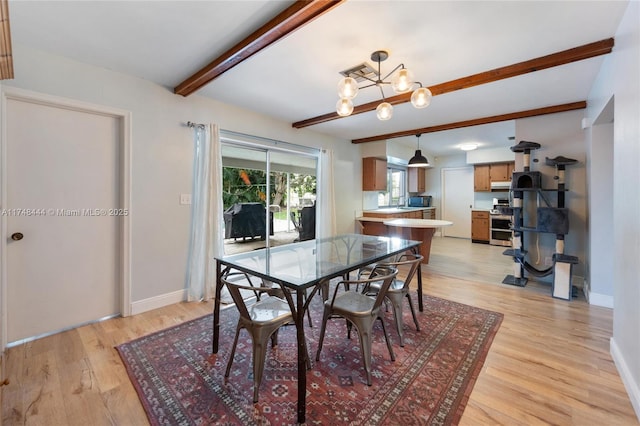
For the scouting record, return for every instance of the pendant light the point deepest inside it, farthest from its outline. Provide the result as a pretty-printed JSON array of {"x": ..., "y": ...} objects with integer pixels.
[{"x": 418, "y": 160}]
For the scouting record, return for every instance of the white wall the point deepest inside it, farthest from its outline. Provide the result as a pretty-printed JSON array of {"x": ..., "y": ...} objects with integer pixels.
[
  {"x": 618, "y": 78},
  {"x": 490, "y": 155},
  {"x": 599, "y": 289},
  {"x": 162, "y": 156}
]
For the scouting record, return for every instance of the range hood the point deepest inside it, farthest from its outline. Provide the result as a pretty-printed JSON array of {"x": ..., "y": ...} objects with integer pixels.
[{"x": 501, "y": 186}]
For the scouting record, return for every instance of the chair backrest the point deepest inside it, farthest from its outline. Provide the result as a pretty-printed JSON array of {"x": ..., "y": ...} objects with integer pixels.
[
  {"x": 234, "y": 289},
  {"x": 294, "y": 220},
  {"x": 407, "y": 259},
  {"x": 386, "y": 274}
]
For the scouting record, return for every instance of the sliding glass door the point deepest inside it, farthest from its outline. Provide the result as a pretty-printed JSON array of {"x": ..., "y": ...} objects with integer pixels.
[{"x": 269, "y": 193}]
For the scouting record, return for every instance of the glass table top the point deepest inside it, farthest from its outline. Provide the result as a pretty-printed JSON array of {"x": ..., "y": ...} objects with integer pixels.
[{"x": 306, "y": 263}]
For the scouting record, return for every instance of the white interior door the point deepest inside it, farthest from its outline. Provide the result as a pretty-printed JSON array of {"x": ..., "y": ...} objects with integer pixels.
[
  {"x": 62, "y": 195},
  {"x": 457, "y": 201}
]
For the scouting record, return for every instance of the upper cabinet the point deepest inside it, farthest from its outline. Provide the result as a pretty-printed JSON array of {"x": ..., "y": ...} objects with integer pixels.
[
  {"x": 481, "y": 180},
  {"x": 484, "y": 174},
  {"x": 417, "y": 178},
  {"x": 499, "y": 172},
  {"x": 374, "y": 174},
  {"x": 512, "y": 167}
]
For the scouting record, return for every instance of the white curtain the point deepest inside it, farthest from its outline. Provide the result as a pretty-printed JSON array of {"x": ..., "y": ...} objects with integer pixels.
[
  {"x": 326, "y": 203},
  {"x": 206, "y": 241}
]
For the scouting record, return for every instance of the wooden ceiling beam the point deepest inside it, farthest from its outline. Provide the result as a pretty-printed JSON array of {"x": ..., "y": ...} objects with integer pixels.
[
  {"x": 579, "y": 53},
  {"x": 478, "y": 121},
  {"x": 6, "y": 54},
  {"x": 294, "y": 17}
]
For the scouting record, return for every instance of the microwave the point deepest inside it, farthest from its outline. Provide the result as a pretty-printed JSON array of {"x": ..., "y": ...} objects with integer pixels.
[{"x": 420, "y": 201}]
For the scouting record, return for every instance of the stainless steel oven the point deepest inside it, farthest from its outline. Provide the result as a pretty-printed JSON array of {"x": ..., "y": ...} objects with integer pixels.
[{"x": 500, "y": 230}]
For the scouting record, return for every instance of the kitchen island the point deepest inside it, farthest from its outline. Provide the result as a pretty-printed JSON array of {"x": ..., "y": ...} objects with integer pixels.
[
  {"x": 417, "y": 230},
  {"x": 372, "y": 220},
  {"x": 408, "y": 228}
]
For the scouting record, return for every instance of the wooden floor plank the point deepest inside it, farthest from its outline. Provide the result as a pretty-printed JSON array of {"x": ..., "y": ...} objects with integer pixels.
[{"x": 548, "y": 364}]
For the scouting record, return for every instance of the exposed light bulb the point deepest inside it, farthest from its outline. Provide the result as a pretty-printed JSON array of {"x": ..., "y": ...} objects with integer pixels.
[
  {"x": 402, "y": 81},
  {"x": 384, "y": 111},
  {"x": 347, "y": 88},
  {"x": 344, "y": 107},
  {"x": 421, "y": 97}
]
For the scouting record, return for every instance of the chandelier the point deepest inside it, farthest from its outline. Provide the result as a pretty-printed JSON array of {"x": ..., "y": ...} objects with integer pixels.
[{"x": 401, "y": 82}]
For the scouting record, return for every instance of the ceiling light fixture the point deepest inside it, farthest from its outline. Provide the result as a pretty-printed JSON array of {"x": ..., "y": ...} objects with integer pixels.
[
  {"x": 419, "y": 160},
  {"x": 468, "y": 146},
  {"x": 401, "y": 82}
]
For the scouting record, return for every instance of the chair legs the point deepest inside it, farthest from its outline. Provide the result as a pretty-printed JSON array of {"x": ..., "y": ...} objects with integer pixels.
[
  {"x": 233, "y": 350},
  {"x": 259, "y": 342},
  {"x": 364, "y": 326},
  {"x": 396, "y": 302},
  {"x": 413, "y": 312},
  {"x": 325, "y": 317}
]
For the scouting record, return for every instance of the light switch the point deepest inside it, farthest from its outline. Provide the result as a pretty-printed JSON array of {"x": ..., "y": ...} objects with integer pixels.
[{"x": 185, "y": 199}]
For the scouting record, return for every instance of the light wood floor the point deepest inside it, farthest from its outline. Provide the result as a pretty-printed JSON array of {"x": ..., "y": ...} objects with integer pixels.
[{"x": 549, "y": 362}]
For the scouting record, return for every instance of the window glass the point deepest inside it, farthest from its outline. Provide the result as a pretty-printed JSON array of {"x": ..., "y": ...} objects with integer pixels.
[{"x": 396, "y": 188}]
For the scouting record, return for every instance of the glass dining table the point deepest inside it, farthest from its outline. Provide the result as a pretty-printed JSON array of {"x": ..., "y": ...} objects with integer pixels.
[{"x": 307, "y": 265}]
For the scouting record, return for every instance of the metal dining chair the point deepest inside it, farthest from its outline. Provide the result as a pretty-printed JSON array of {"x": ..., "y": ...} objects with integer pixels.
[
  {"x": 399, "y": 289},
  {"x": 360, "y": 310},
  {"x": 262, "y": 320}
]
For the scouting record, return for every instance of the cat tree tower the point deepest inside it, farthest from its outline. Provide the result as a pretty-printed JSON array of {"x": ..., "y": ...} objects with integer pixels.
[{"x": 549, "y": 219}]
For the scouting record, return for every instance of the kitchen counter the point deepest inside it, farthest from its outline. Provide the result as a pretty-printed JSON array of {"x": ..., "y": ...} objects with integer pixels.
[
  {"x": 397, "y": 210},
  {"x": 372, "y": 221},
  {"x": 417, "y": 230},
  {"x": 417, "y": 223}
]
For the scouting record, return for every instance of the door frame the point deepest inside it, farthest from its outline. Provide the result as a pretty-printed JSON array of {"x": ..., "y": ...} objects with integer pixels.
[{"x": 124, "y": 119}]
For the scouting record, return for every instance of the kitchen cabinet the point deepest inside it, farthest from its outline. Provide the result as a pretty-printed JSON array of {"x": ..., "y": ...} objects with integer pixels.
[
  {"x": 499, "y": 172},
  {"x": 429, "y": 214},
  {"x": 484, "y": 174},
  {"x": 412, "y": 214},
  {"x": 481, "y": 180},
  {"x": 417, "y": 176},
  {"x": 480, "y": 226},
  {"x": 374, "y": 174},
  {"x": 511, "y": 169}
]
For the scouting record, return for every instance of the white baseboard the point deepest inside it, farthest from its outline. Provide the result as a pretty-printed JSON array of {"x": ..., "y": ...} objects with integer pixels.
[
  {"x": 598, "y": 299},
  {"x": 158, "y": 301},
  {"x": 633, "y": 388}
]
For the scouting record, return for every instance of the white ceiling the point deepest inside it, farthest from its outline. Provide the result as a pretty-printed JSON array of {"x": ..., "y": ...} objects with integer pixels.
[{"x": 296, "y": 78}]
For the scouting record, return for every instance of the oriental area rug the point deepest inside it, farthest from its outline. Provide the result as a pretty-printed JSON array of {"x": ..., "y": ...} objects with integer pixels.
[{"x": 180, "y": 382}]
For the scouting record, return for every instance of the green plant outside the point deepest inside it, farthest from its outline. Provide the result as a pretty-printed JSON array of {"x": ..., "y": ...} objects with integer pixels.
[{"x": 249, "y": 186}]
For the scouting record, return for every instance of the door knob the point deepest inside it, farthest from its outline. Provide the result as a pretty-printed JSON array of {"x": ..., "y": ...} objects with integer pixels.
[{"x": 17, "y": 236}]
